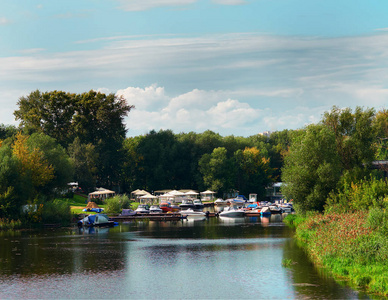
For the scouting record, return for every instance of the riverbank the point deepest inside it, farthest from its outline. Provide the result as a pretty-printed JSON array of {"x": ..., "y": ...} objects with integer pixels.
[{"x": 350, "y": 246}]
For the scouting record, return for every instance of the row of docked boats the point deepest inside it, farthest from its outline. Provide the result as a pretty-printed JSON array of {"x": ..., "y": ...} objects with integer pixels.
[{"x": 193, "y": 209}]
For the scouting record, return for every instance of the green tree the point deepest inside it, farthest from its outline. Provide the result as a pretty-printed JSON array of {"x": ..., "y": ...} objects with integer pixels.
[
  {"x": 312, "y": 168},
  {"x": 49, "y": 112},
  {"x": 95, "y": 118},
  {"x": 380, "y": 124},
  {"x": 11, "y": 190},
  {"x": 56, "y": 156},
  {"x": 254, "y": 172},
  {"x": 84, "y": 160},
  {"x": 354, "y": 135},
  {"x": 217, "y": 170}
]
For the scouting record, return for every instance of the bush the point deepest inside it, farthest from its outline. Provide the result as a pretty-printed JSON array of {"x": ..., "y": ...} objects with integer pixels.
[
  {"x": 56, "y": 212},
  {"x": 6, "y": 224},
  {"x": 359, "y": 195},
  {"x": 116, "y": 204}
]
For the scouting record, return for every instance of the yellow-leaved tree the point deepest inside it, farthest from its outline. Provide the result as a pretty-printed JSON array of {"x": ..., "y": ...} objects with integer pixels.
[{"x": 32, "y": 162}]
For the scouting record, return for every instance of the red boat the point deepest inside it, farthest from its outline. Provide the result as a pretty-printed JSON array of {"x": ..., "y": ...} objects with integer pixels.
[{"x": 166, "y": 207}]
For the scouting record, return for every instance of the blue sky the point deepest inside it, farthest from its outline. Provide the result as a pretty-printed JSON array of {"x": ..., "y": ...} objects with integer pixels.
[{"x": 233, "y": 66}]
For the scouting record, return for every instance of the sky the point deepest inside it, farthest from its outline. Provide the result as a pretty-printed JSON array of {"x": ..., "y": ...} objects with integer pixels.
[{"x": 236, "y": 67}]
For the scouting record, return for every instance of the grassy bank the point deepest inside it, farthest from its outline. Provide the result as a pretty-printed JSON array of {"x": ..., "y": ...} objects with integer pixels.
[{"x": 350, "y": 246}]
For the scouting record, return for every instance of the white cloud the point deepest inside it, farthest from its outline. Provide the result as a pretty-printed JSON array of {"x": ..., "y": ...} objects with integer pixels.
[
  {"x": 258, "y": 80},
  {"x": 4, "y": 21},
  {"x": 150, "y": 98}
]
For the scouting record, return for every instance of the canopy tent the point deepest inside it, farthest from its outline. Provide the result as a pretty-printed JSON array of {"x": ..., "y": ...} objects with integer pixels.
[
  {"x": 138, "y": 193},
  {"x": 151, "y": 198},
  {"x": 191, "y": 193},
  {"x": 101, "y": 194},
  {"x": 208, "y": 195}
]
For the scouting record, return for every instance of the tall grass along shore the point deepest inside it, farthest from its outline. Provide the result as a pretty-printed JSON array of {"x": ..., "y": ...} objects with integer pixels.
[{"x": 350, "y": 246}]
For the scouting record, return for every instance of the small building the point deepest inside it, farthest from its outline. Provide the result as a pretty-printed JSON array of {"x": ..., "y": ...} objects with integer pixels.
[{"x": 274, "y": 192}]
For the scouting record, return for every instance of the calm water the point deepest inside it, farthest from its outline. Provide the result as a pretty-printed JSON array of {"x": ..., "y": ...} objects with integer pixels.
[{"x": 216, "y": 258}]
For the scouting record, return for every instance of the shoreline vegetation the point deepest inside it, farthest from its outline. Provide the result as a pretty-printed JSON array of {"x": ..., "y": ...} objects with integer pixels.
[{"x": 349, "y": 246}]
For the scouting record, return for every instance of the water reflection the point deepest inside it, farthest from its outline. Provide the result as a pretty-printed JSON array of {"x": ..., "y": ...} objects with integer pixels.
[{"x": 218, "y": 258}]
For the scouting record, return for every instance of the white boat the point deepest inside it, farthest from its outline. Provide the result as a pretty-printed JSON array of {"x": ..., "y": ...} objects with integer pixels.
[
  {"x": 198, "y": 204},
  {"x": 142, "y": 209},
  {"x": 155, "y": 209},
  {"x": 192, "y": 214},
  {"x": 275, "y": 209},
  {"x": 287, "y": 208},
  {"x": 96, "y": 220},
  {"x": 220, "y": 202},
  {"x": 265, "y": 211},
  {"x": 232, "y": 212}
]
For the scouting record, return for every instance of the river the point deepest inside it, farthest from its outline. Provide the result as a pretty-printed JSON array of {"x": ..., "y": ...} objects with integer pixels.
[{"x": 212, "y": 259}]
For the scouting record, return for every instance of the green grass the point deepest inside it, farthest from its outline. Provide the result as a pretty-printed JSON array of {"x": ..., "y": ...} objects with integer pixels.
[{"x": 348, "y": 247}]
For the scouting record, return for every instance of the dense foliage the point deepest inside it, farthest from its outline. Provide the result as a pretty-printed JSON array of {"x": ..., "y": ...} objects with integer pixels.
[
  {"x": 351, "y": 246},
  {"x": 326, "y": 158},
  {"x": 87, "y": 120},
  {"x": 342, "y": 202}
]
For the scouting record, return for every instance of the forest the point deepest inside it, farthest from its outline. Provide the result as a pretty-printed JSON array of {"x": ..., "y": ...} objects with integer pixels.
[{"x": 64, "y": 137}]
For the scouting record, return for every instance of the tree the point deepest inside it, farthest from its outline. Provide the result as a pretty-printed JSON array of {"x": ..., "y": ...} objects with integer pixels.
[
  {"x": 50, "y": 113},
  {"x": 11, "y": 192},
  {"x": 354, "y": 135},
  {"x": 312, "y": 168},
  {"x": 56, "y": 156},
  {"x": 254, "y": 172},
  {"x": 32, "y": 162},
  {"x": 217, "y": 170},
  {"x": 95, "y": 118},
  {"x": 380, "y": 124},
  {"x": 84, "y": 160}
]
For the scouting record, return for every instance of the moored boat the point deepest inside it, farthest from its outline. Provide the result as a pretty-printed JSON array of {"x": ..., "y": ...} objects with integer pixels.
[
  {"x": 198, "y": 204},
  {"x": 220, "y": 202},
  {"x": 232, "y": 212},
  {"x": 142, "y": 209},
  {"x": 265, "y": 211},
  {"x": 186, "y": 204},
  {"x": 99, "y": 220},
  {"x": 192, "y": 214},
  {"x": 165, "y": 207},
  {"x": 155, "y": 209}
]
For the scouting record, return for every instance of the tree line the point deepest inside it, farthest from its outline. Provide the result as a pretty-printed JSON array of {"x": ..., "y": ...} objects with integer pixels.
[
  {"x": 329, "y": 164},
  {"x": 64, "y": 137}
]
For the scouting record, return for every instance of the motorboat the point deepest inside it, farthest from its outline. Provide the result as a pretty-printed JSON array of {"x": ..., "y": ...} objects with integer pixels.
[
  {"x": 192, "y": 214},
  {"x": 265, "y": 211},
  {"x": 127, "y": 212},
  {"x": 99, "y": 220},
  {"x": 155, "y": 209},
  {"x": 198, "y": 204},
  {"x": 166, "y": 207},
  {"x": 142, "y": 209},
  {"x": 286, "y": 207},
  {"x": 275, "y": 209},
  {"x": 220, "y": 202},
  {"x": 232, "y": 212},
  {"x": 237, "y": 201},
  {"x": 186, "y": 204}
]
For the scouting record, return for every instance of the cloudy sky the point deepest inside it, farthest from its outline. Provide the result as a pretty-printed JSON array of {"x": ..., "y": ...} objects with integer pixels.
[{"x": 232, "y": 66}]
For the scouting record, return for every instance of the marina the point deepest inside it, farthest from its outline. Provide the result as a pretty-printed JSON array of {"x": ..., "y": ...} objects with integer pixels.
[{"x": 215, "y": 258}]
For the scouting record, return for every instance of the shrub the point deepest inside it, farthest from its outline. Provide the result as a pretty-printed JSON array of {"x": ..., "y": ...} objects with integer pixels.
[
  {"x": 56, "y": 212},
  {"x": 116, "y": 204}
]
